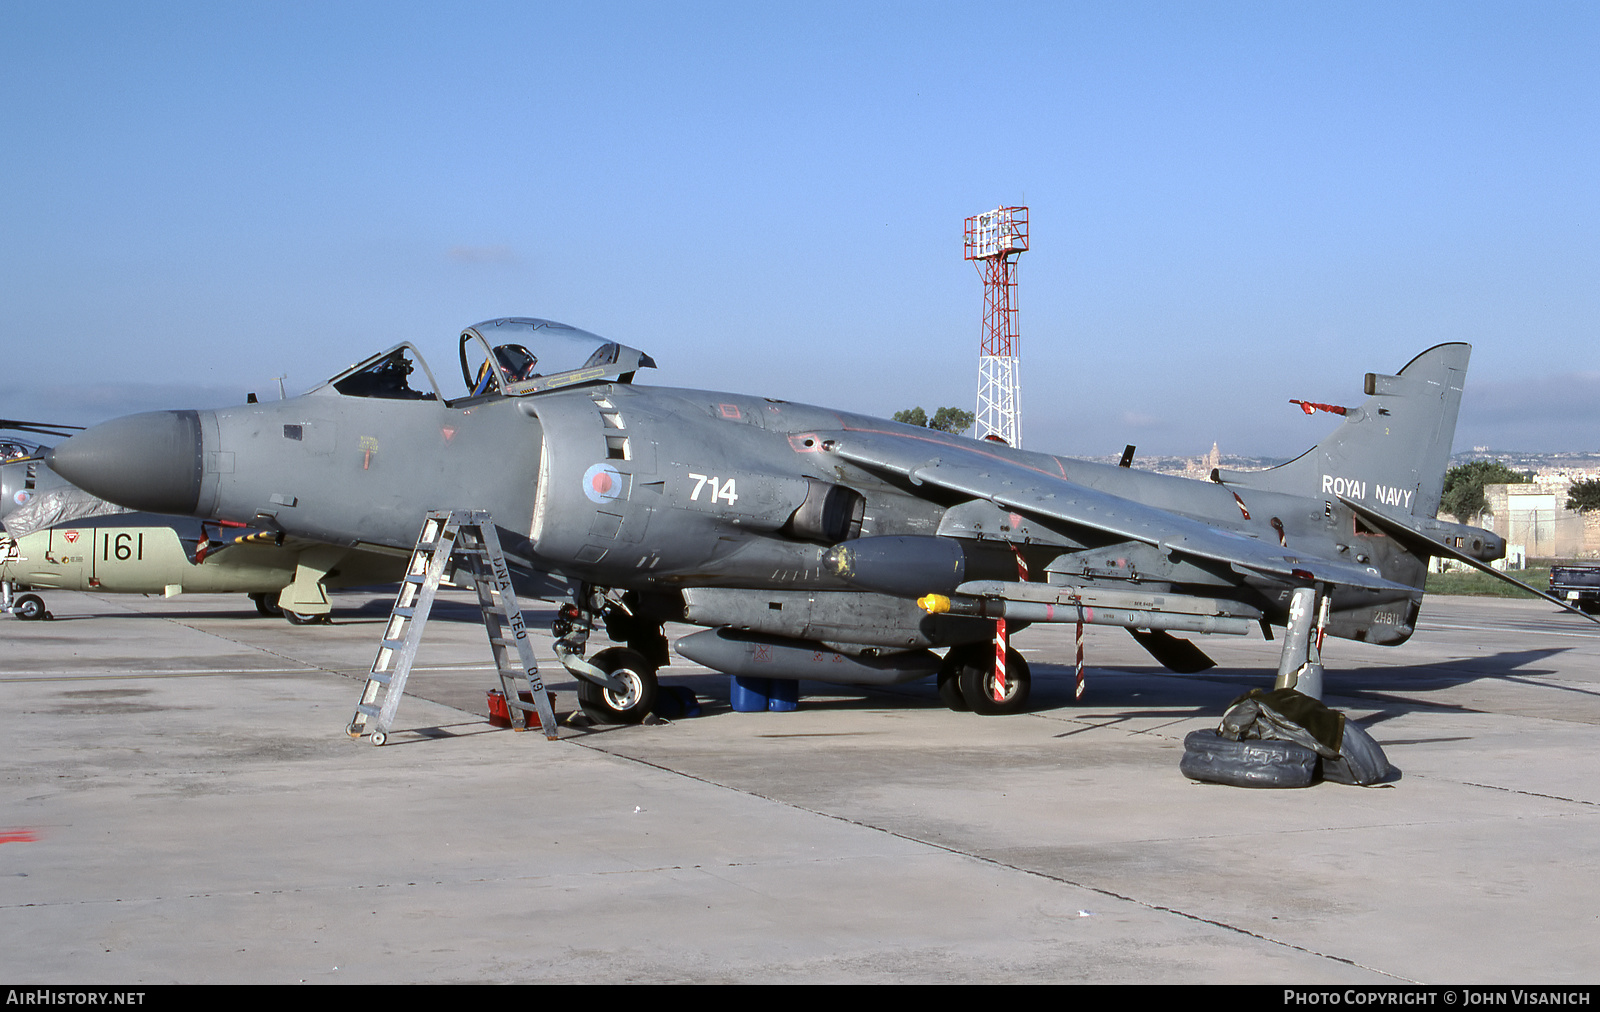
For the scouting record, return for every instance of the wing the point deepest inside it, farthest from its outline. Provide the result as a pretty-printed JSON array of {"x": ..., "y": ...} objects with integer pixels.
[{"x": 1024, "y": 489}]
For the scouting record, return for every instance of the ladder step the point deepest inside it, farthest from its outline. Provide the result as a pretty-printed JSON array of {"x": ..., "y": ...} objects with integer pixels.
[{"x": 471, "y": 536}]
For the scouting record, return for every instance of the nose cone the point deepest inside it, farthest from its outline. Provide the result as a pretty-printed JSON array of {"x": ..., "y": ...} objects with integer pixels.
[{"x": 148, "y": 462}]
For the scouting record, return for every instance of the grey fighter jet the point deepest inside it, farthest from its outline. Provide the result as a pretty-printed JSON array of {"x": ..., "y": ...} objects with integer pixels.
[
  {"x": 56, "y": 536},
  {"x": 813, "y": 543}
]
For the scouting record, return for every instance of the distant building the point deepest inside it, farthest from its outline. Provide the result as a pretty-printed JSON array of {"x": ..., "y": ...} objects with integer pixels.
[
  {"x": 1201, "y": 467},
  {"x": 1535, "y": 517}
]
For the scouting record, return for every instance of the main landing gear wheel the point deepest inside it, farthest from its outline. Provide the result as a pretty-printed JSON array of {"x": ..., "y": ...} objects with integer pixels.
[
  {"x": 950, "y": 674},
  {"x": 28, "y": 607},
  {"x": 267, "y": 605},
  {"x": 637, "y": 697},
  {"x": 977, "y": 683}
]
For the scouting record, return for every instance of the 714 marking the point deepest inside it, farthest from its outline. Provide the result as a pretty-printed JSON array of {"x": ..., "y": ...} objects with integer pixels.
[{"x": 723, "y": 491}]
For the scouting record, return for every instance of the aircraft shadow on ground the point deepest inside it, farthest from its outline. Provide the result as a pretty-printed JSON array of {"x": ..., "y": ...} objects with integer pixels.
[
  {"x": 1119, "y": 695},
  {"x": 1158, "y": 691}
]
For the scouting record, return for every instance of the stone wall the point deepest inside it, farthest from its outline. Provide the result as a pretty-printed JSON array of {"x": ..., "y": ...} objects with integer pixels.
[{"x": 1536, "y": 517}]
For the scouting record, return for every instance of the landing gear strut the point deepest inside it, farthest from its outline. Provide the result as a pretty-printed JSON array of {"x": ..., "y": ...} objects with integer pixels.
[
  {"x": 27, "y": 607},
  {"x": 619, "y": 685},
  {"x": 1300, "y": 665}
]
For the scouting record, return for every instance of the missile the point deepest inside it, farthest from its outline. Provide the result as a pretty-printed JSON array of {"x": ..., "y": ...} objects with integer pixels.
[{"x": 1028, "y": 602}]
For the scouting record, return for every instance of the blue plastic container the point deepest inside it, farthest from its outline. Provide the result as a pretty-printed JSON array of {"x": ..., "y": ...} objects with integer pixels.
[
  {"x": 784, "y": 695},
  {"x": 748, "y": 695}
]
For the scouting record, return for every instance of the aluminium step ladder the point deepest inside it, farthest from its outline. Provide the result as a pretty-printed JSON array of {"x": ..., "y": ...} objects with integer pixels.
[{"x": 449, "y": 535}]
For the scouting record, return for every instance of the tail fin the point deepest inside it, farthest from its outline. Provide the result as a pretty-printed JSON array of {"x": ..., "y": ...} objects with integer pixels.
[{"x": 1392, "y": 451}]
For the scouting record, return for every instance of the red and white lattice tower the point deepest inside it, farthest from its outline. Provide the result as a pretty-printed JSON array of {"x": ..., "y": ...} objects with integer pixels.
[{"x": 993, "y": 241}]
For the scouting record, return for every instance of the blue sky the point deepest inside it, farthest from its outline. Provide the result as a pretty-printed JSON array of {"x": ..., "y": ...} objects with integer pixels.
[{"x": 1232, "y": 204}]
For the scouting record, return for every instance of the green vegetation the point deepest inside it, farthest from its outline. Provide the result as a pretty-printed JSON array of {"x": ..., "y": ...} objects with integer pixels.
[
  {"x": 1463, "y": 487},
  {"x": 1584, "y": 496},
  {"x": 945, "y": 419},
  {"x": 1476, "y": 584}
]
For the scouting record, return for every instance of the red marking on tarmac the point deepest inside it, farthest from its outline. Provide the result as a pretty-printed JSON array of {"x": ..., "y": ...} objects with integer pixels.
[{"x": 18, "y": 836}]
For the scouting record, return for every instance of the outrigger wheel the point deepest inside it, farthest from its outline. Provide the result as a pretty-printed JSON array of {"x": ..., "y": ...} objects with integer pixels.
[
  {"x": 967, "y": 675},
  {"x": 29, "y": 607},
  {"x": 638, "y": 696}
]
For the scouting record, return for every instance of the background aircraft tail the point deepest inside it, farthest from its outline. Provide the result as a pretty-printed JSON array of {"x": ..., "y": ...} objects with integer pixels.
[{"x": 1391, "y": 452}]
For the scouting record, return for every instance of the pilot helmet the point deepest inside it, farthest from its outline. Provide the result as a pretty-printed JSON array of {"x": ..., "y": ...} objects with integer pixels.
[{"x": 517, "y": 361}]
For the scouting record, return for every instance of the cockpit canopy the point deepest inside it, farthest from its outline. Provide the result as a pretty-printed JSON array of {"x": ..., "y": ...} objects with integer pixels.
[
  {"x": 531, "y": 355},
  {"x": 513, "y": 356}
]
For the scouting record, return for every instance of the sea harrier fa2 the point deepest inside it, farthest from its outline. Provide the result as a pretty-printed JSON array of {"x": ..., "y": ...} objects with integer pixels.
[
  {"x": 813, "y": 543},
  {"x": 54, "y": 535}
]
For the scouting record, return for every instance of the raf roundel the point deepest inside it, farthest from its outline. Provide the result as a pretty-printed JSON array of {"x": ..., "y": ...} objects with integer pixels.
[
  {"x": 22, "y": 497},
  {"x": 602, "y": 483}
]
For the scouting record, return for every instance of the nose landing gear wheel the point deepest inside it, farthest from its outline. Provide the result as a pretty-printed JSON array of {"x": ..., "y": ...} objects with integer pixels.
[
  {"x": 29, "y": 607},
  {"x": 633, "y": 702}
]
